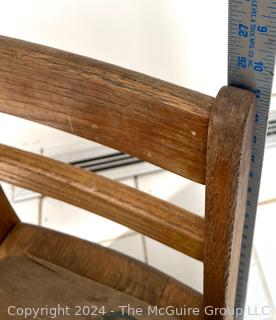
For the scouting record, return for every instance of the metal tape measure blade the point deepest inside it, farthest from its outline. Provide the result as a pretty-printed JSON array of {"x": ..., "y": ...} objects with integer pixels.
[{"x": 251, "y": 59}]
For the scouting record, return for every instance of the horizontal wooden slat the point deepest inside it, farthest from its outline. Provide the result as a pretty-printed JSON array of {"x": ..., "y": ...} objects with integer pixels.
[
  {"x": 148, "y": 118},
  {"x": 156, "y": 218}
]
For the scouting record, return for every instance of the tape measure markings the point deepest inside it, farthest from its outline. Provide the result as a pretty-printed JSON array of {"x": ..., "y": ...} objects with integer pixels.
[{"x": 251, "y": 55}]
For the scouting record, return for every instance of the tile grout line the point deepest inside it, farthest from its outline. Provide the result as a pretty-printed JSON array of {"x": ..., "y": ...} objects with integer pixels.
[
  {"x": 127, "y": 234},
  {"x": 123, "y": 236},
  {"x": 40, "y": 200},
  {"x": 264, "y": 283},
  {"x": 145, "y": 249},
  {"x": 144, "y": 244},
  {"x": 40, "y": 210},
  {"x": 266, "y": 202}
]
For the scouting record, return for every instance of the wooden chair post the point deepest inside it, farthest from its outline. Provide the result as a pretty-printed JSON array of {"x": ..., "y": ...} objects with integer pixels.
[
  {"x": 8, "y": 218},
  {"x": 227, "y": 169}
]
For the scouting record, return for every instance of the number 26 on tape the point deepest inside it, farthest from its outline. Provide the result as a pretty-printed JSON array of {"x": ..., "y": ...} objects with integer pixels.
[{"x": 257, "y": 65}]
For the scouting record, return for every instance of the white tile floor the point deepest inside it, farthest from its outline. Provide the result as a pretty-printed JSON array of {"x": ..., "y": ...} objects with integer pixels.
[
  {"x": 178, "y": 265},
  {"x": 256, "y": 294},
  {"x": 80, "y": 223}
]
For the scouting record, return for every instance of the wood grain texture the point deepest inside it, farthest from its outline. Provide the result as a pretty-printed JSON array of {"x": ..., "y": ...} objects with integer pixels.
[
  {"x": 8, "y": 218},
  {"x": 137, "y": 210},
  {"x": 148, "y": 118},
  {"x": 228, "y": 161},
  {"x": 100, "y": 264},
  {"x": 205, "y": 140}
]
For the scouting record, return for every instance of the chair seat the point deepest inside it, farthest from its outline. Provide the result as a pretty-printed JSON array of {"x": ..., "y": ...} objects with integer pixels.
[
  {"x": 30, "y": 282},
  {"x": 53, "y": 272}
]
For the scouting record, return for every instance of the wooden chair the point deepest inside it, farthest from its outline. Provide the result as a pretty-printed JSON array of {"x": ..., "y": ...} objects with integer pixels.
[{"x": 205, "y": 139}]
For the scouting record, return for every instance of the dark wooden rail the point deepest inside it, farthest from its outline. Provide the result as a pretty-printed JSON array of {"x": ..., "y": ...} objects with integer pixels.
[
  {"x": 153, "y": 217},
  {"x": 145, "y": 117}
]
